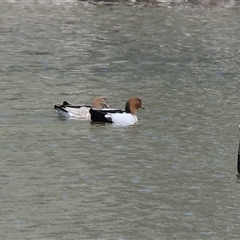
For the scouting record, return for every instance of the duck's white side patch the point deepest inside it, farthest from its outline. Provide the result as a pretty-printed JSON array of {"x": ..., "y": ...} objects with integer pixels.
[{"x": 122, "y": 118}]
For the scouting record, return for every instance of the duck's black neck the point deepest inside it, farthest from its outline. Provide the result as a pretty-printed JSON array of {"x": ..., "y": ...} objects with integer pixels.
[{"x": 127, "y": 108}]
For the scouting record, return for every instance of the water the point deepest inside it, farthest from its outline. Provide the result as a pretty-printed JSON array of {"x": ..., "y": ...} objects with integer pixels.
[{"x": 170, "y": 177}]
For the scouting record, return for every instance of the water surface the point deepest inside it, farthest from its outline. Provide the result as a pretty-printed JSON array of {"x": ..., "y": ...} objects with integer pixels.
[{"x": 170, "y": 177}]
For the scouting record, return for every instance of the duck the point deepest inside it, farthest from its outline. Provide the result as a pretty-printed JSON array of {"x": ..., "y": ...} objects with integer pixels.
[
  {"x": 238, "y": 159},
  {"x": 117, "y": 116},
  {"x": 80, "y": 111}
]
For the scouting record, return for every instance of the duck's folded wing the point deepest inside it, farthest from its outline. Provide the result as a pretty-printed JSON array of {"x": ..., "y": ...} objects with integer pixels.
[
  {"x": 103, "y": 115},
  {"x": 60, "y": 108}
]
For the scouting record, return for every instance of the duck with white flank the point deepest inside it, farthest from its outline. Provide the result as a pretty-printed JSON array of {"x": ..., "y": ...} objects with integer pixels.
[
  {"x": 119, "y": 117},
  {"x": 80, "y": 111}
]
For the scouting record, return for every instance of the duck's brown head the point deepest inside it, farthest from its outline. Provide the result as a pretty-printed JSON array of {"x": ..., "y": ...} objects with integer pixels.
[
  {"x": 133, "y": 104},
  {"x": 100, "y": 102}
]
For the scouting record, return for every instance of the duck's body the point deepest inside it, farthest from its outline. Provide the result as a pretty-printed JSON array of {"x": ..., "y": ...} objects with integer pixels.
[
  {"x": 79, "y": 111},
  {"x": 119, "y": 117},
  {"x": 72, "y": 111}
]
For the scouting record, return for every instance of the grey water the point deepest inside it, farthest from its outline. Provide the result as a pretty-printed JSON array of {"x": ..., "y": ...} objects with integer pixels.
[{"x": 172, "y": 176}]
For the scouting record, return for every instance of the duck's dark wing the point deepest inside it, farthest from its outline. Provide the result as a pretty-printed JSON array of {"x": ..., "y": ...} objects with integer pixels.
[
  {"x": 98, "y": 115},
  {"x": 59, "y": 107}
]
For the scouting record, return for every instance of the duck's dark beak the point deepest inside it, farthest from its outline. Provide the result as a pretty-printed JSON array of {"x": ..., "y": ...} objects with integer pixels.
[{"x": 143, "y": 108}]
